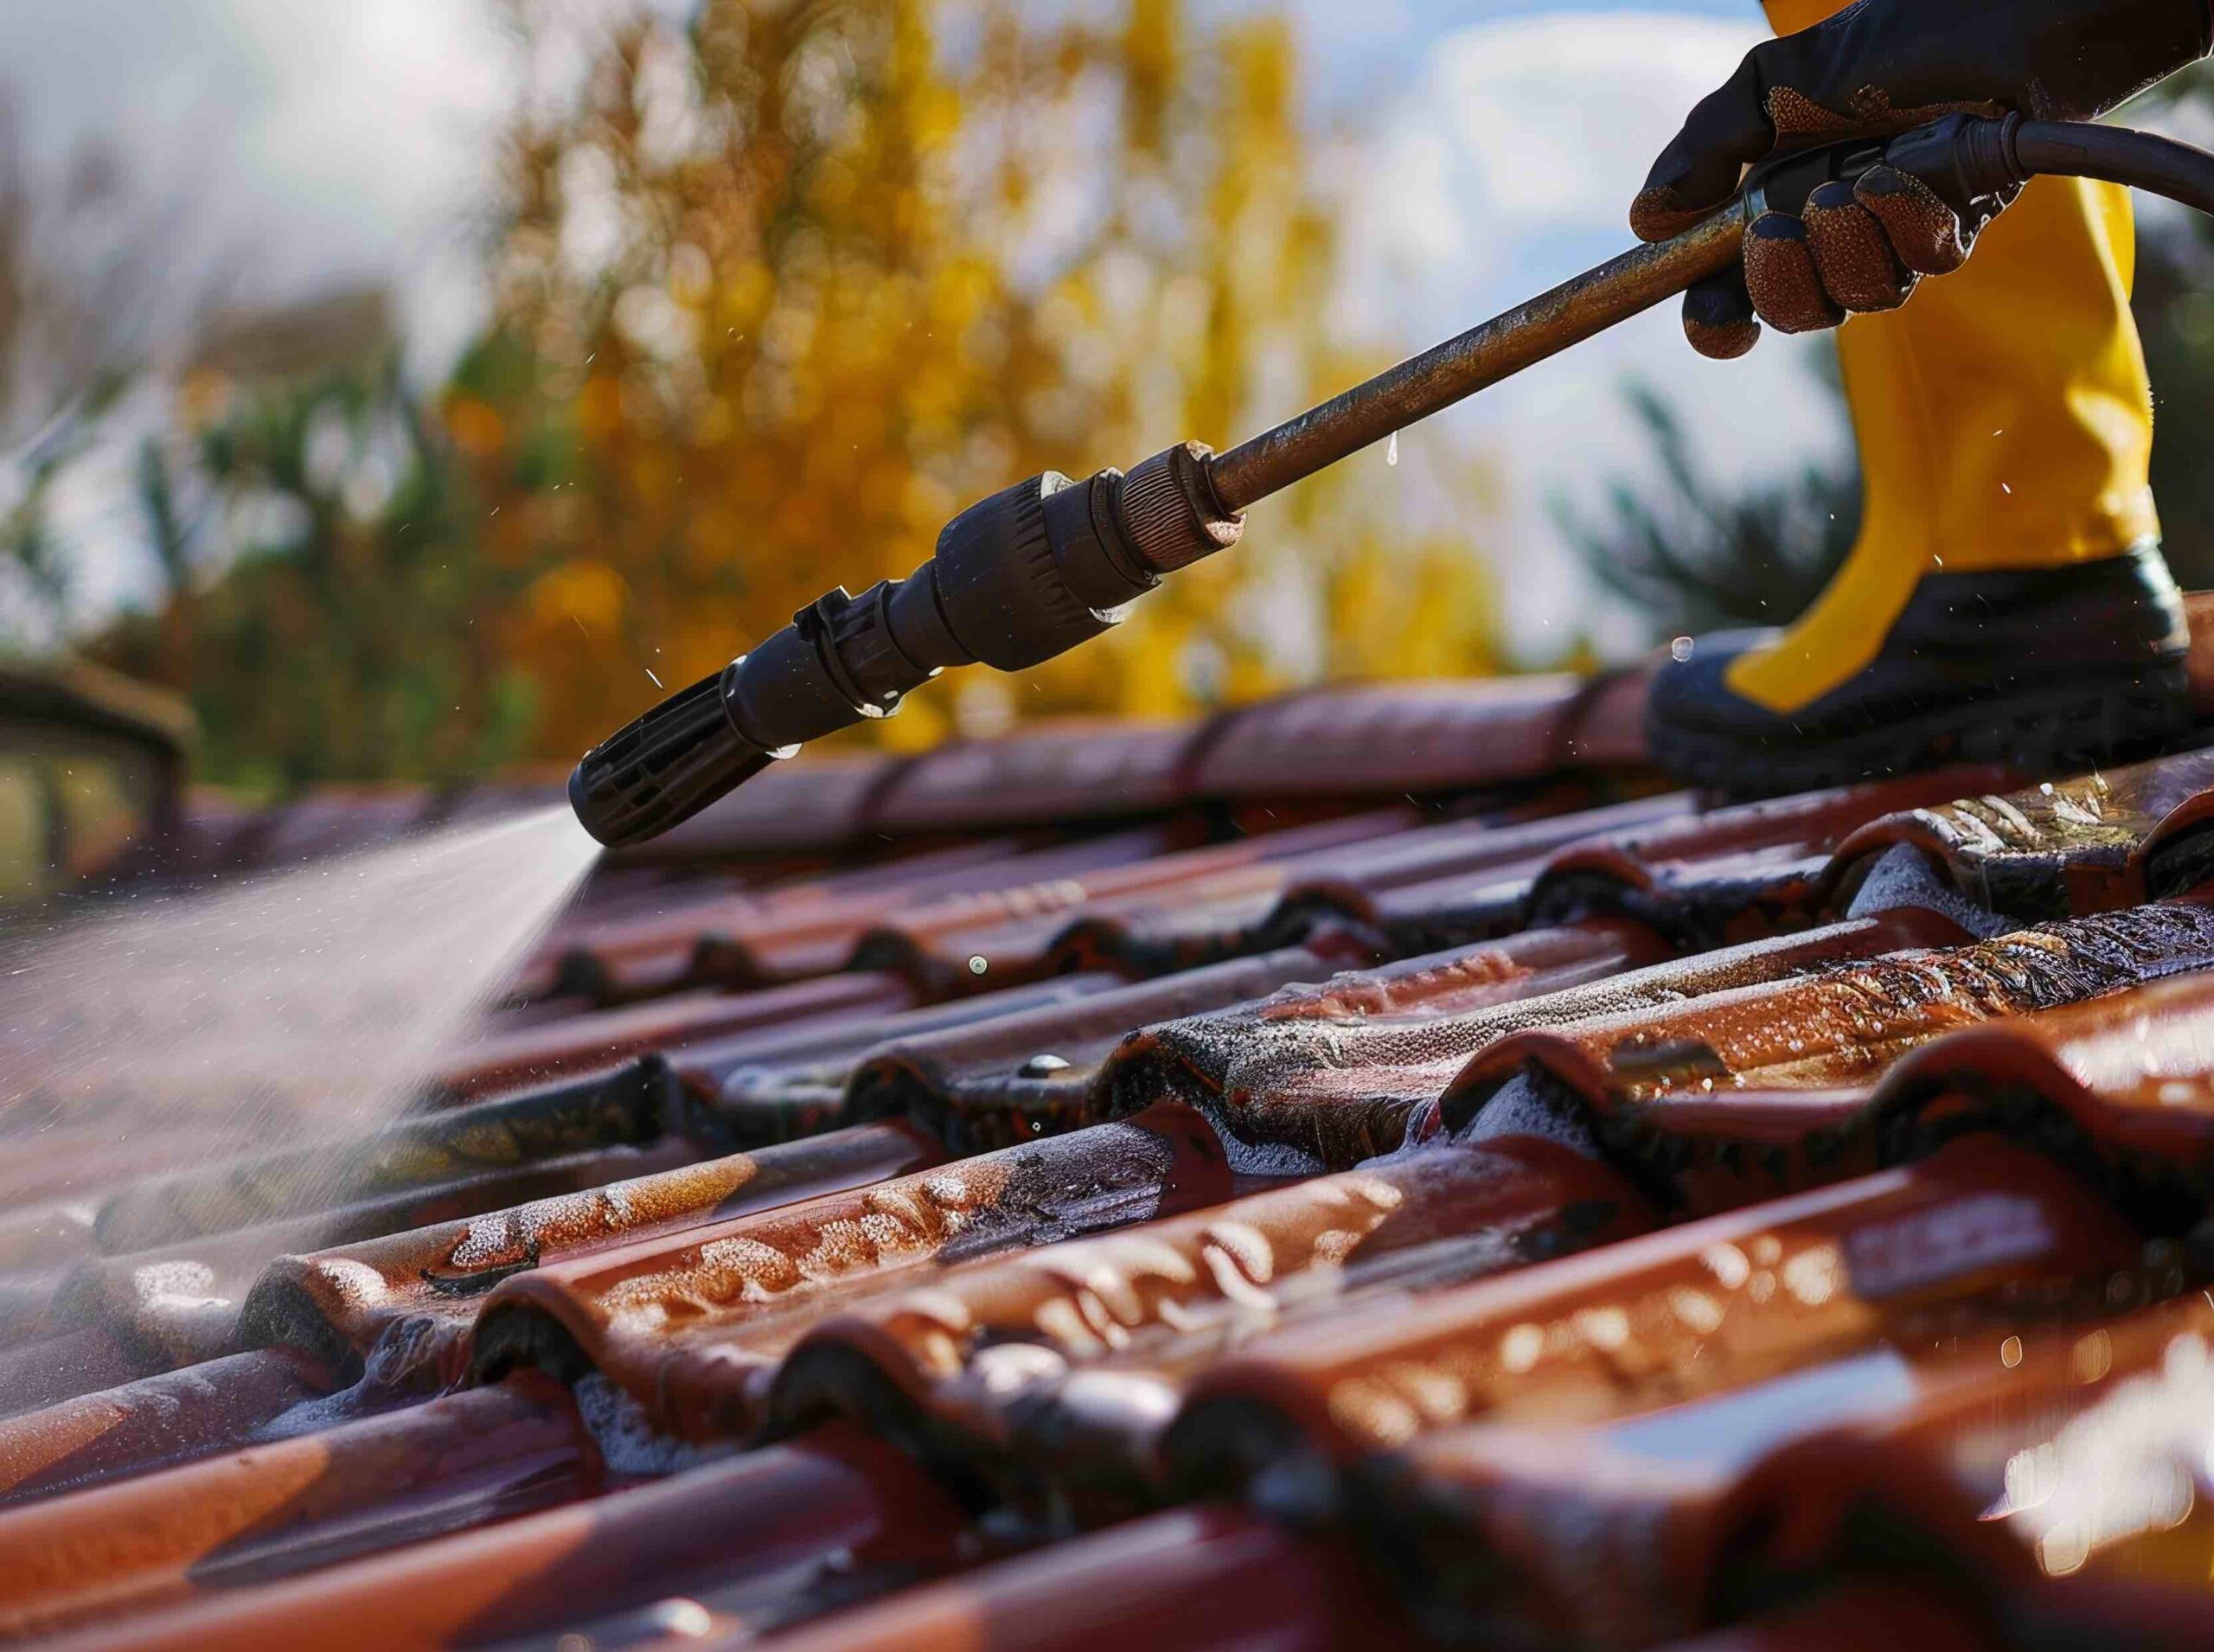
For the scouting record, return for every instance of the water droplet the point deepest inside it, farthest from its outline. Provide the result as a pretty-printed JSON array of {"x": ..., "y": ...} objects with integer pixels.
[
  {"x": 1680, "y": 650},
  {"x": 1392, "y": 449},
  {"x": 682, "y": 1617},
  {"x": 1043, "y": 1067},
  {"x": 976, "y": 964},
  {"x": 654, "y": 680}
]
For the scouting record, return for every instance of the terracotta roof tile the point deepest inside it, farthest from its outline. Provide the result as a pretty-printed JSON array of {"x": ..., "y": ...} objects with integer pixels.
[
  {"x": 1391, "y": 738},
  {"x": 1834, "y": 1032},
  {"x": 408, "y": 1299},
  {"x": 1378, "y": 1049},
  {"x": 764, "y": 1087},
  {"x": 2070, "y": 844},
  {"x": 693, "y": 1329},
  {"x": 1996, "y": 1452},
  {"x": 535, "y": 1054},
  {"x": 1040, "y": 777},
  {"x": 1698, "y": 1308},
  {"x": 1188, "y": 1579},
  {"x": 182, "y": 1298},
  {"x": 288, "y": 1505},
  {"x": 994, "y": 1083},
  {"x": 168, "y": 1418},
  {"x": 845, "y": 1501},
  {"x": 1086, "y": 1344}
]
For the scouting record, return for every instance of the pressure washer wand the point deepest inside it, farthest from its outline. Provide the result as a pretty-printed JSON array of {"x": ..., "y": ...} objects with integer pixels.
[{"x": 1032, "y": 571}]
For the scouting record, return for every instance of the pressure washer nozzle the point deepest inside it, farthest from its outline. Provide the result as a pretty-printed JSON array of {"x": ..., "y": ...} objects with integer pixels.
[
  {"x": 1016, "y": 579},
  {"x": 665, "y": 767}
]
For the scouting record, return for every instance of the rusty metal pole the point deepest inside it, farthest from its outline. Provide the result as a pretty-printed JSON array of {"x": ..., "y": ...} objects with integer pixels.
[{"x": 1578, "y": 309}]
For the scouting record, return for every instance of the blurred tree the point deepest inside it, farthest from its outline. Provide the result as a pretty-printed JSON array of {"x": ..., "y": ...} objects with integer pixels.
[
  {"x": 343, "y": 637},
  {"x": 1691, "y": 555},
  {"x": 2174, "y": 305},
  {"x": 86, "y": 289}
]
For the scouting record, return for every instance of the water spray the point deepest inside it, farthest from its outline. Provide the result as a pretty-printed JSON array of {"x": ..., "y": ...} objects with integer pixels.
[{"x": 1030, "y": 572}]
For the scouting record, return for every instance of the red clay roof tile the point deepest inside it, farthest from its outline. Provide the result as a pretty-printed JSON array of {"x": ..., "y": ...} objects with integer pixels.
[
  {"x": 1694, "y": 1308},
  {"x": 693, "y": 1329},
  {"x": 416, "y": 1292}
]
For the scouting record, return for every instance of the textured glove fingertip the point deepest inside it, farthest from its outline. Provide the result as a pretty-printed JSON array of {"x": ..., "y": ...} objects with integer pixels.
[
  {"x": 1656, "y": 213},
  {"x": 1925, "y": 234},
  {"x": 1852, "y": 253},
  {"x": 1782, "y": 277},
  {"x": 1718, "y": 318}
]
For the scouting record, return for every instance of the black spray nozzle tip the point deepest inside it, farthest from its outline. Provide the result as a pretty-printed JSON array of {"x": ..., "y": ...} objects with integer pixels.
[{"x": 681, "y": 756}]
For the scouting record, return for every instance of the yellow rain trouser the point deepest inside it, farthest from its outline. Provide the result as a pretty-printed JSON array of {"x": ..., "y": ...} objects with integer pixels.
[{"x": 2004, "y": 418}]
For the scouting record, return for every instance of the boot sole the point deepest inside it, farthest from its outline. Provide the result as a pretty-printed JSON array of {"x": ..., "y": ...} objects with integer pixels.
[{"x": 2062, "y": 730}]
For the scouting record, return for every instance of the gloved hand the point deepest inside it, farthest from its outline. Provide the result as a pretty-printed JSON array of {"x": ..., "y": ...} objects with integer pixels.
[{"x": 1875, "y": 70}]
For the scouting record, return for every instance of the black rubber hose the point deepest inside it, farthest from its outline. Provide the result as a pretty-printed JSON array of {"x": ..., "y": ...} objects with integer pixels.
[{"x": 2157, "y": 165}]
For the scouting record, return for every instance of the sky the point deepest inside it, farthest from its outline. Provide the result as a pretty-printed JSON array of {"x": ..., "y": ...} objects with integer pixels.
[{"x": 344, "y": 140}]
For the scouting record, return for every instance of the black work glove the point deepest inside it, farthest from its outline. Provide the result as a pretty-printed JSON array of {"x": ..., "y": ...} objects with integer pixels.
[{"x": 1877, "y": 69}]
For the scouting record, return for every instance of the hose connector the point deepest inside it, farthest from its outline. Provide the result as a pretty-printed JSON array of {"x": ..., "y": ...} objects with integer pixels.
[
  {"x": 1170, "y": 511},
  {"x": 1963, "y": 159}
]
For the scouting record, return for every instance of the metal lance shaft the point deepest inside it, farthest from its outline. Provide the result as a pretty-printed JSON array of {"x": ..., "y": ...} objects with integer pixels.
[
  {"x": 1578, "y": 309},
  {"x": 1034, "y": 571}
]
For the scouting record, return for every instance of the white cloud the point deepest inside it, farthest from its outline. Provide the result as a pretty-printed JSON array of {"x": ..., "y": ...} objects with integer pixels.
[{"x": 305, "y": 145}]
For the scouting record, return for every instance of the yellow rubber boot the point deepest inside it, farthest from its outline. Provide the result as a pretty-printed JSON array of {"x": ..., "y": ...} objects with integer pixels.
[
  {"x": 2003, "y": 417},
  {"x": 2005, "y": 422}
]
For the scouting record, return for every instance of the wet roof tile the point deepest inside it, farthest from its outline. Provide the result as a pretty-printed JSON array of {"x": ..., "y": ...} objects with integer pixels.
[
  {"x": 1378, "y": 1049},
  {"x": 416, "y": 1292},
  {"x": 289, "y": 1505},
  {"x": 1048, "y": 776},
  {"x": 1015, "y": 1076},
  {"x": 535, "y": 1054},
  {"x": 1843, "y": 1027},
  {"x": 2000, "y": 1453},
  {"x": 2070, "y": 844},
  {"x": 1696, "y": 1308},
  {"x": 769, "y": 1086},
  {"x": 1087, "y": 1344},
  {"x": 1187, "y": 1579},
  {"x": 1517, "y": 1195},
  {"x": 191, "y": 1412},
  {"x": 1395, "y": 737},
  {"x": 849, "y": 1501},
  {"x": 693, "y": 1329}
]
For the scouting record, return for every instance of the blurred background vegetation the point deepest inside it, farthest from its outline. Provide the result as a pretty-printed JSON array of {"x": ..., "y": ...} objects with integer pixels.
[{"x": 774, "y": 292}]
